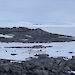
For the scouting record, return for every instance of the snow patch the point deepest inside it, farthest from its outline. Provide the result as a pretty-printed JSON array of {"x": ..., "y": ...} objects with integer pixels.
[
  {"x": 28, "y": 36},
  {"x": 6, "y": 35},
  {"x": 72, "y": 72}
]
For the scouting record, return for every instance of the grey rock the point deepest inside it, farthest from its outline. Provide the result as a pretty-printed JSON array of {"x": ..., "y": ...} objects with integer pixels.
[
  {"x": 37, "y": 35},
  {"x": 43, "y": 65}
]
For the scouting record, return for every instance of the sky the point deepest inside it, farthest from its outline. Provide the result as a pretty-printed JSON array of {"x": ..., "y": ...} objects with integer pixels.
[{"x": 52, "y": 12}]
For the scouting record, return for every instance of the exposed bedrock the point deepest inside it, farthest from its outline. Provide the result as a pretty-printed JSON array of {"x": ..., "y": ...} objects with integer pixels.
[
  {"x": 43, "y": 65},
  {"x": 23, "y": 34}
]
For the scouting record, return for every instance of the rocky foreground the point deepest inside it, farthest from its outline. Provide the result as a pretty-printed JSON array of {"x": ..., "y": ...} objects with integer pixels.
[{"x": 43, "y": 65}]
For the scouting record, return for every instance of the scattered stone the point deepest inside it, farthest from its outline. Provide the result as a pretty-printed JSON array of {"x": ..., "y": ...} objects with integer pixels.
[
  {"x": 36, "y": 55},
  {"x": 70, "y": 52},
  {"x": 73, "y": 57},
  {"x": 57, "y": 51},
  {"x": 13, "y": 54},
  {"x": 36, "y": 46},
  {"x": 5, "y": 50}
]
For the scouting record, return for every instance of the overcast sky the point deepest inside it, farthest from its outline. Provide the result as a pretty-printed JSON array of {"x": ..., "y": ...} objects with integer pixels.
[{"x": 37, "y": 12}]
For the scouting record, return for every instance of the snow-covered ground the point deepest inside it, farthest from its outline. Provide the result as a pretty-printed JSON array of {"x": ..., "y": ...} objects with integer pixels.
[
  {"x": 15, "y": 13},
  {"x": 58, "y": 49},
  {"x": 72, "y": 72},
  {"x": 7, "y": 36}
]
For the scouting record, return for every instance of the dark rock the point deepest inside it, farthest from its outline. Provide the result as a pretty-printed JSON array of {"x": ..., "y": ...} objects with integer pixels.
[
  {"x": 43, "y": 56},
  {"x": 36, "y": 55},
  {"x": 43, "y": 65},
  {"x": 70, "y": 52},
  {"x": 40, "y": 72},
  {"x": 37, "y": 35},
  {"x": 13, "y": 54}
]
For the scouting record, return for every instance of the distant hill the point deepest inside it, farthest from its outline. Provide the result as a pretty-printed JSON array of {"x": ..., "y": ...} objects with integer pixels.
[{"x": 23, "y": 34}]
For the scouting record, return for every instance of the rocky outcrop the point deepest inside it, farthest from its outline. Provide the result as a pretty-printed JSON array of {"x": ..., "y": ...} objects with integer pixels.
[
  {"x": 34, "y": 46},
  {"x": 43, "y": 65},
  {"x": 23, "y": 34}
]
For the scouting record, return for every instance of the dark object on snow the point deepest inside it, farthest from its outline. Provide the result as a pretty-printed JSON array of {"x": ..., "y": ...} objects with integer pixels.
[
  {"x": 70, "y": 52},
  {"x": 13, "y": 54}
]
